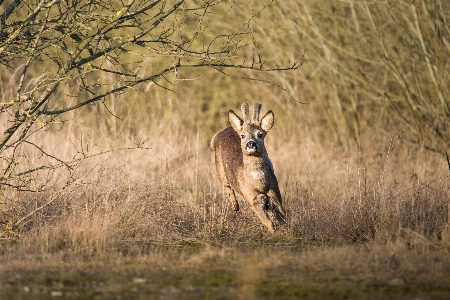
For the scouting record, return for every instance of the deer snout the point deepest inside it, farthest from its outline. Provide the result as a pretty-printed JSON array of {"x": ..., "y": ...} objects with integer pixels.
[{"x": 251, "y": 147}]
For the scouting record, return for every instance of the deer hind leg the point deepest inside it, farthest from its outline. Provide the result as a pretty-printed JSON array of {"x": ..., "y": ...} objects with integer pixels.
[
  {"x": 258, "y": 205},
  {"x": 234, "y": 203}
]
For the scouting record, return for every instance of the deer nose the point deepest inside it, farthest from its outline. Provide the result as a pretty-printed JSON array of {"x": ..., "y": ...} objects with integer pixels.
[{"x": 251, "y": 145}]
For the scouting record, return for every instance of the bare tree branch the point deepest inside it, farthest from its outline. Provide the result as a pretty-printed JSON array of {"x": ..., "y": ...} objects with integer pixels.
[{"x": 70, "y": 54}]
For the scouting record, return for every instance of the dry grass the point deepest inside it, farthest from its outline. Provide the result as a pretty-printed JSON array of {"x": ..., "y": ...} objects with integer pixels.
[
  {"x": 169, "y": 191},
  {"x": 373, "y": 225}
]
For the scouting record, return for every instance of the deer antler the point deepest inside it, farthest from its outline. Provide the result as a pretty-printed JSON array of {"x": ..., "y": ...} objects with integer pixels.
[
  {"x": 256, "y": 110},
  {"x": 245, "y": 112}
]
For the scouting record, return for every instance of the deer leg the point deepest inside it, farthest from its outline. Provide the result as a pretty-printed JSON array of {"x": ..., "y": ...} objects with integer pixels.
[
  {"x": 275, "y": 204},
  {"x": 259, "y": 207},
  {"x": 234, "y": 203}
]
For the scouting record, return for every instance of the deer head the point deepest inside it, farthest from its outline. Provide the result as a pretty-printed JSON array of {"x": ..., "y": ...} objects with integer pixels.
[{"x": 252, "y": 131}]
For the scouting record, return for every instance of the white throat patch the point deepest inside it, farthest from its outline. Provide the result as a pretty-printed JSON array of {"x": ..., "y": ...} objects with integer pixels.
[{"x": 257, "y": 174}]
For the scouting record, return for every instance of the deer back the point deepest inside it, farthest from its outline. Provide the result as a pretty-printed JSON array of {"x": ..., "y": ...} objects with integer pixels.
[{"x": 228, "y": 156}]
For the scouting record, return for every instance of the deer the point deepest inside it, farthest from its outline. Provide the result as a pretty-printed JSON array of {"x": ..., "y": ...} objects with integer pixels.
[{"x": 243, "y": 165}]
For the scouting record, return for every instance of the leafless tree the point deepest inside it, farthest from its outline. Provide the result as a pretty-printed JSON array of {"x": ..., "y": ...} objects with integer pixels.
[{"x": 65, "y": 52}]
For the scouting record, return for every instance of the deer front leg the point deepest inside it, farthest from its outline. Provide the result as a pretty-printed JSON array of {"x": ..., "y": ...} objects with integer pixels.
[
  {"x": 234, "y": 203},
  {"x": 275, "y": 204},
  {"x": 258, "y": 205}
]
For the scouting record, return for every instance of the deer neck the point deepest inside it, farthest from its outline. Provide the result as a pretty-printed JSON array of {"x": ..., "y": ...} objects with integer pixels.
[{"x": 257, "y": 172}]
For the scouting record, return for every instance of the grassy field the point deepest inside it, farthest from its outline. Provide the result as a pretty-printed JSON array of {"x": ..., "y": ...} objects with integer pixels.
[{"x": 358, "y": 147}]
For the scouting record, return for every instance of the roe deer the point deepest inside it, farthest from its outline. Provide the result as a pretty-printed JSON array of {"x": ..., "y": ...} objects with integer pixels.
[{"x": 243, "y": 165}]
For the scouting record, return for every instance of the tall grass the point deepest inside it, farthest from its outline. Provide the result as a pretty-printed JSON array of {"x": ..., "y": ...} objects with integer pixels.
[
  {"x": 349, "y": 172},
  {"x": 168, "y": 192}
]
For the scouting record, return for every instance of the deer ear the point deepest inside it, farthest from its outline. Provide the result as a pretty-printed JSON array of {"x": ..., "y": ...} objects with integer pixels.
[
  {"x": 267, "y": 121},
  {"x": 235, "y": 121}
]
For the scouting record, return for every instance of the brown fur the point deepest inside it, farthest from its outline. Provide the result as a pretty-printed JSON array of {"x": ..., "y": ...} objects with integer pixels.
[{"x": 243, "y": 165}]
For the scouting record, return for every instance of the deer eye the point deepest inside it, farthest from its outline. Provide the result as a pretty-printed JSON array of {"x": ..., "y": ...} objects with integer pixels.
[{"x": 260, "y": 135}]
